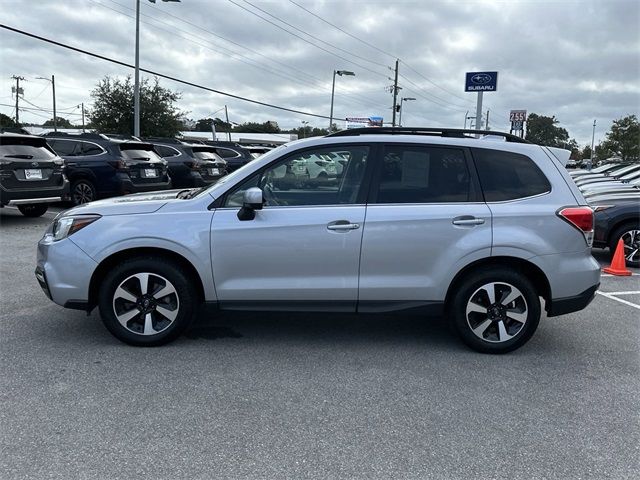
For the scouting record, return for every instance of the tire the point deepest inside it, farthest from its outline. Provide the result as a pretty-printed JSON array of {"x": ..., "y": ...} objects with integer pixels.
[
  {"x": 82, "y": 191},
  {"x": 33, "y": 210},
  {"x": 147, "y": 320},
  {"x": 500, "y": 326},
  {"x": 630, "y": 234}
]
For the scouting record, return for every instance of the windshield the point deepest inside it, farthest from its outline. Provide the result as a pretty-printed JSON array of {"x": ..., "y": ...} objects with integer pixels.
[
  {"x": 242, "y": 171},
  {"x": 25, "y": 152},
  {"x": 206, "y": 156},
  {"x": 139, "y": 154}
]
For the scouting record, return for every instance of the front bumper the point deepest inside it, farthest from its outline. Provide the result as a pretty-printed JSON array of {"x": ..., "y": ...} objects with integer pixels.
[{"x": 64, "y": 271}]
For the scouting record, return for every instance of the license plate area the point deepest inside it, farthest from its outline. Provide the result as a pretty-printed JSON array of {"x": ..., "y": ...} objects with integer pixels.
[
  {"x": 33, "y": 174},
  {"x": 214, "y": 171},
  {"x": 150, "y": 173}
]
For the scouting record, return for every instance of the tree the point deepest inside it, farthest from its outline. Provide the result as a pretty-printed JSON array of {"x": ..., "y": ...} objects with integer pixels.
[
  {"x": 586, "y": 152},
  {"x": 307, "y": 131},
  {"x": 113, "y": 108},
  {"x": 254, "y": 127},
  {"x": 543, "y": 131},
  {"x": 624, "y": 138},
  {"x": 7, "y": 121},
  {"x": 61, "y": 123},
  {"x": 204, "y": 125}
]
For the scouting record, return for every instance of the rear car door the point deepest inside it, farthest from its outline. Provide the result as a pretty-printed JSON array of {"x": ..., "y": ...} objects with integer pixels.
[
  {"x": 302, "y": 250},
  {"x": 425, "y": 220}
]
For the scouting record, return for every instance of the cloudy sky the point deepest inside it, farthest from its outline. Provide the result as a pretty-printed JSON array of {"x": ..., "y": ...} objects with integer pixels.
[{"x": 577, "y": 60}]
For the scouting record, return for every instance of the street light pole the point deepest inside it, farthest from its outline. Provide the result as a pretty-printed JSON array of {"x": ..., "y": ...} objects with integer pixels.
[
  {"x": 402, "y": 100},
  {"x": 333, "y": 89},
  {"x": 593, "y": 136},
  {"x": 136, "y": 84}
]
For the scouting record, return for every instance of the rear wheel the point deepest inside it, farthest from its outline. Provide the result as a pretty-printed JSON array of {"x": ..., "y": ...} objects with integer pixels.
[
  {"x": 630, "y": 235},
  {"x": 82, "y": 191},
  {"x": 33, "y": 210},
  {"x": 496, "y": 310},
  {"x": 147, "y": 301}
]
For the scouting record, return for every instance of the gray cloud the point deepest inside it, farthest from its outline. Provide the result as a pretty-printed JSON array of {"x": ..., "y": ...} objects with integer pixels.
[{"x": 578, "y": 60}]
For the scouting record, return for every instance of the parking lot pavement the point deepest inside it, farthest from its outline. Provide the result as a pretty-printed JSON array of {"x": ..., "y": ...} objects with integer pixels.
[{"x": 310, "y": 396}]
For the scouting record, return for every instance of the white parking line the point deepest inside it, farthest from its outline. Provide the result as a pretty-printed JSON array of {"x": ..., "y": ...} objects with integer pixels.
[
  {"x": 637, "y": 292},
  {"x": 612, "y": 297}
]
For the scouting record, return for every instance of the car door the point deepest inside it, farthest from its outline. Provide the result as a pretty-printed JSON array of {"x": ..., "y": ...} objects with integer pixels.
[
  {"x": 425, "y": 220},
  {"x": 302, "y": 250}
]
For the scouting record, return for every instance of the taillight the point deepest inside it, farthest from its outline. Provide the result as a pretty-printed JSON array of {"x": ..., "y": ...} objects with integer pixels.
[
  {"x": 119, "y": 164},
  {"x": 191, "y": 165},
  {"x": 581, "y": 218}
]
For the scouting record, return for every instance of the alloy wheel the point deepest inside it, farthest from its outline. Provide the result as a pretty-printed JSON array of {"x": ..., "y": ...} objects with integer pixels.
[
  {"x": 631, "y": 239},
  {"x": 496, "y": 312},
  {"x": 82, "y": 193},
  {"x": 146, "y": 303}
]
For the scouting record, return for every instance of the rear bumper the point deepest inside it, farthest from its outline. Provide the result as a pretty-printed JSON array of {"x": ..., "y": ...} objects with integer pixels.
[
  {"x": 34, "y": 195},
  {"x": 562, "y": 306},
  {"x": 128, "y": 186}
]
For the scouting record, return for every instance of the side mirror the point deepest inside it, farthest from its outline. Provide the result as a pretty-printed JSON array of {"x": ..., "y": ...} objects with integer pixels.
[{"x": 252, "y": 201}]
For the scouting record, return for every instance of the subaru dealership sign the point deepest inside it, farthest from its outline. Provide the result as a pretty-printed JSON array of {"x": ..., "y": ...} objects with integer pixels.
[{"x": 481, "y": 82}]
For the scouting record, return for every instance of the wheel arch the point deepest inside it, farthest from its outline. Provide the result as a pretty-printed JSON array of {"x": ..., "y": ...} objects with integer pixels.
[
  {"x": 109, "y": 262},
  {"x": 532, "y": 271},
  {"x": 628, "y": 220}
]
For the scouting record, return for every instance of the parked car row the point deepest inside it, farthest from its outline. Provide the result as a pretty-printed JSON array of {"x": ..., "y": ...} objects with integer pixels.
[
  {"x": 80, "y": 168},
  {"x": 613, "y": 191}
]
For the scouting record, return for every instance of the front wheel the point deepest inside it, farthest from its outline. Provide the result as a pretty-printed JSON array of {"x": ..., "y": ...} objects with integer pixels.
[
  {"x": 147, "y": 301},
  {"x": 33, "y": 210},
  {"x": 496, "y": 310}
]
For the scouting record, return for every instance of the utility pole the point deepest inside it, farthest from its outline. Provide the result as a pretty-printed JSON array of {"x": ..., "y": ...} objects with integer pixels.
[
  {"x": 55, "y": 119},
  {"x": 226, "y": 113},
  {"x": 17, "y": 78},
  {"x": 395, "y": 95},
  {"x": 82, "y": 106}
]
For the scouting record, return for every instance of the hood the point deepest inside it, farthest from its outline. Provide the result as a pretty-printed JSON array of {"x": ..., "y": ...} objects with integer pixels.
[{"x": 134, "y": 204}]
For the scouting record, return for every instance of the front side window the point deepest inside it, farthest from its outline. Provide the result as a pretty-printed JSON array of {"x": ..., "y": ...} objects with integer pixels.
[
  {"x": 326, "y": 176},
  {"x": 423, "y": 174},
  {"x": 508, "y": 176}
]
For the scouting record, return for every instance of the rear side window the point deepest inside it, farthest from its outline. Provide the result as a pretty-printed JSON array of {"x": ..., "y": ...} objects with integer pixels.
[
  {"x": 91, "y": 149},
  {"x": 508, "y": 176},
  {"x": 65, "y": 148},
  {"x": 227, "y": 153},
  {"x": 423, "y": 174}
]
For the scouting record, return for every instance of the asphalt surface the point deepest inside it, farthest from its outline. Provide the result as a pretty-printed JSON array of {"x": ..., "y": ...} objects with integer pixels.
[{"x": 269, "y": 396}]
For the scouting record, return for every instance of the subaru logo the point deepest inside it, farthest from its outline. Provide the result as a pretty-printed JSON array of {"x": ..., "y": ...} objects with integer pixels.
[
  {"x": 481, "y": 78},
  {"x": 34, "y": 164}
]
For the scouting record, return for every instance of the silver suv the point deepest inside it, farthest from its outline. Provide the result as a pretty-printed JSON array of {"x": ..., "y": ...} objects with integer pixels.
[{"x": 431, "y": 220}]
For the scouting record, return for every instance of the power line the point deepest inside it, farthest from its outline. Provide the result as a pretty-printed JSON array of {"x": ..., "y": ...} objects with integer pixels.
[
  {"x": 161, "y": 75},
  {"x": 250, "y": 62},
  {"x": 307, "y": 41},
  {"x": 343, "y": 31},
  {"x": 309, "y": 35}
]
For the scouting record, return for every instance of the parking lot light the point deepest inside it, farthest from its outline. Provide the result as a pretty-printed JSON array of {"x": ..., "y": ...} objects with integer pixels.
[
  {"x": 333, "y": 88},
  {"x": 136, "y": 85}
]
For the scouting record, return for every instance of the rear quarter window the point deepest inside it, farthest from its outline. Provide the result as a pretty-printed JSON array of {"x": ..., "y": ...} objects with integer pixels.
[{"x": 508, "y": 176}]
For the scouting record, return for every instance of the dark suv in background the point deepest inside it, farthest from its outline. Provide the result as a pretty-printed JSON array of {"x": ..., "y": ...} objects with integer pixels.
[
  {"x": 235, "y": 154},
  {"x": 98, "y": 166},
  {"x": 31, "y": 174},
  {"x": 190, "y": 165}
]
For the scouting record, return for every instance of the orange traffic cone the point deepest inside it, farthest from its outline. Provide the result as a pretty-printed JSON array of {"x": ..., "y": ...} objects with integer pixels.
[{"x": 618, "y": 266}]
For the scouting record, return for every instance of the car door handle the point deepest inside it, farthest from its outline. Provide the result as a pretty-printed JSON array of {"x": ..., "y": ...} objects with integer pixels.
[
  {"x": 342, "y": 225},
  {"x": 467, "y": 220}
]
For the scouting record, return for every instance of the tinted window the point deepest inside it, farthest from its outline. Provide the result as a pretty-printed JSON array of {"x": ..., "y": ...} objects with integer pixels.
[
  {"x": 166, "y": 151},
  {"x": 91, "y": 149},
  {"x": 26, "y": 152},
  {"x": 64, "y": 147},
  {"x": 227, "y": 153},
  {"x": 206, "y": 156},
  {"x": 139, "y": 154},
  {"x": 506, "y": 175},
  {"x": 417, "y": 174},
  {"x": 314, "y": 177}
]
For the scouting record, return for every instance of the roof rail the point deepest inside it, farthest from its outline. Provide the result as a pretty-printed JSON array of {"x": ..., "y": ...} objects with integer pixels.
[
  {"x": 169, "y": 140},
  {"x": 433, "y": 132}
]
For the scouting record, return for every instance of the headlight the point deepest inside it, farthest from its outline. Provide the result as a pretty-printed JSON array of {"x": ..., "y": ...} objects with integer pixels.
[{"x": 65, "y": 226}]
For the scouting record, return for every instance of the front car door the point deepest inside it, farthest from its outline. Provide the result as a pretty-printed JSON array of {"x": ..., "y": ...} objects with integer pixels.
[
  {"x": 302, "y": 250},
  {"x": 425, "y": 220}
]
